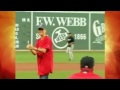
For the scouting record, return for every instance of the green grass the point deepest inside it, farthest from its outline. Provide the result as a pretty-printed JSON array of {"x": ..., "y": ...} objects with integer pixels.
[
  {"x": 60, "y": 57},
  {"x": 55, "y": 75}
]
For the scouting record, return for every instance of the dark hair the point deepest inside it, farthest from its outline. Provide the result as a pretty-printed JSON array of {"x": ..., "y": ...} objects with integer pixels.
[
  {"x": 87, "y": 61},
  {"x": 40, "y": 29}
]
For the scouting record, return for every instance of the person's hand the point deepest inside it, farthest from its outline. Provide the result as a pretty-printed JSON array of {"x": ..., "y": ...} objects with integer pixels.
[{"x": 30, "y": 47}]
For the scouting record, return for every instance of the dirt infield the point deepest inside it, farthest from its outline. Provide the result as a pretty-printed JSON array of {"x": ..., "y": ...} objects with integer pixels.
[{"x": 57, "y": 66}]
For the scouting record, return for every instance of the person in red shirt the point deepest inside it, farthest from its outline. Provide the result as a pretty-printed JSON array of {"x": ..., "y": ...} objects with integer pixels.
[
  {"x": 87, "y": 70},
  {"x": 44, "y": 52}
]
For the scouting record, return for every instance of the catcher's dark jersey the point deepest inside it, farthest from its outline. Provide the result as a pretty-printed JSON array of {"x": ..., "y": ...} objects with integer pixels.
[{"x": 70, "y": 39}]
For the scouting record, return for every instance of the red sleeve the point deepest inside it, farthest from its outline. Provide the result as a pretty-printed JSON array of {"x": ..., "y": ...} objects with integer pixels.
[{"x": 47, "y": 44}]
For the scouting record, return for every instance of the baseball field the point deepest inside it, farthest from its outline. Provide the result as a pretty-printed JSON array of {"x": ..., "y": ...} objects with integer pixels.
[{"x": 26, "y": 65}]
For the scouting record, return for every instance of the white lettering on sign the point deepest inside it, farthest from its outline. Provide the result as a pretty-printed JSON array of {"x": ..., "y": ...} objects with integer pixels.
[
  {"x": 37, "y": 36},
  {"x": 46, "y": 20},
  {"x": 23, "y": 19},
  {"x": 16, "y": 36},
  {"x": 28, "y": 19},
  {"x": 102, "y": 27},
  {"x": 17, "y": 25},
  {"x": 61, "y": 21},
  {"x": 38, "y": 21},
  {"x": 16, "y": 29},
  {"x": 98, "y": 30},
  {"x": 16, "y": 33},
  {"x": 76, "y": 21},
  {"x": 83, "y": 22},
  {"x": 80, "y": 36},
  {"x": 17, "y": 42},
  {"x": 71, "y": 21},
  {"x": 16, "y": 46}
]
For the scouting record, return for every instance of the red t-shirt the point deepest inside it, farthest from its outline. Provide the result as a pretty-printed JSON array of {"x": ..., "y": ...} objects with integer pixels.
[
  {"x": 45, "y": 60},
  {"x": 85, "y": 74}
]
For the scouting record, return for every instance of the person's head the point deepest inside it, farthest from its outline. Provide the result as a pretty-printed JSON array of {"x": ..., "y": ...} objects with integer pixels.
[
  {"x": 87, "y": 62},
  {"x": 69, "y": 34},
  {"x": 41, "y": 30}
]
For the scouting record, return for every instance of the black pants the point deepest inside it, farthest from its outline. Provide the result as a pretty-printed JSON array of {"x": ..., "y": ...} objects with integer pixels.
[{"x": 44, "y": 76}]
